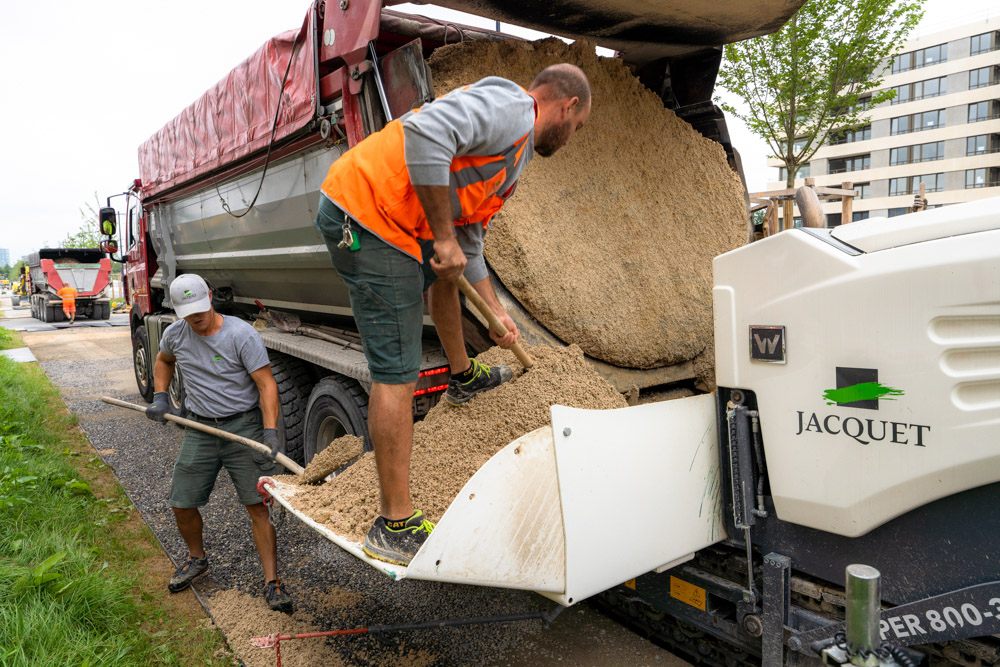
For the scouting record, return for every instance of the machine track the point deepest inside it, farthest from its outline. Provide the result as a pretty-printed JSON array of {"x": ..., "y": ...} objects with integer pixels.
[{"x": 702, "y": 648}]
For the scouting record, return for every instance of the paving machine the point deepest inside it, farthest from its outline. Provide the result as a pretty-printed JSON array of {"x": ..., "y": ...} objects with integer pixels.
[{"x": 857, "y": 418}]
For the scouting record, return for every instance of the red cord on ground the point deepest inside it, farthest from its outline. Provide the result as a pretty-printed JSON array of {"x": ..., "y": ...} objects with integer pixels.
[{"x": 274, "y": 640}]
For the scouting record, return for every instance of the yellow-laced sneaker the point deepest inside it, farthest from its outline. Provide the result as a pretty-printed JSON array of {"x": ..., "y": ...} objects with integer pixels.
[
  {"x": 483, "y": 379},
  {"x": 397, "y": 541}
]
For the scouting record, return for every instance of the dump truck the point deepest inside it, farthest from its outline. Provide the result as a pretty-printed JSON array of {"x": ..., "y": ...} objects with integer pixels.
[
  {"x": 856, "y": 418},
  {"x": 87, "y": 270}
]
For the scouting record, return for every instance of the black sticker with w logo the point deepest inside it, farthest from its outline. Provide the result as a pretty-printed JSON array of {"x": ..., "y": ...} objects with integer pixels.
[{"x": 767, "y": 343}]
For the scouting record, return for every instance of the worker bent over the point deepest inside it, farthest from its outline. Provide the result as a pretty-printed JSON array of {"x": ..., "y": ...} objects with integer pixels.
[
  {"x": 229, "y": 386},
  {"x": 405, "y": 211},
  {"x": 68, "y": 295}
]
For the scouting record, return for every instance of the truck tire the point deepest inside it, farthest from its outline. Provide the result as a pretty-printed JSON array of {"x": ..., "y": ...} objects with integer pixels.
[
  {"x": 105, "y": 312},
  {"x": 142, "y": 364},
  {"x": 294, "y": 384},
  {"x": 337, "y": 406},
  {"x": 54, "y": 313},
  {"x": 95, "y": 312}
]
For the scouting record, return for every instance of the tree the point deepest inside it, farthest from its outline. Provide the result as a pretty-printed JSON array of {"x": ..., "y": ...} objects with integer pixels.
[{"x": 813, "y": 80}]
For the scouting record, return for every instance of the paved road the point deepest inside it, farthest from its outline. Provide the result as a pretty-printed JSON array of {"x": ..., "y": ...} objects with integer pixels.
[{"x": 331, "y": 586}]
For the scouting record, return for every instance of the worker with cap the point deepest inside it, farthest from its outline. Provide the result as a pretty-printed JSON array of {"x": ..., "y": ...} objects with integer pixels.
[
  {"x": 406, "y": 210},
  {"x": 68, "y": 294},
  {"x": 228, "y": 385}
]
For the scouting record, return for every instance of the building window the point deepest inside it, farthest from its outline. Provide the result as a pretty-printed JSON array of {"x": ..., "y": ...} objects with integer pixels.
[
  {"x": 802, "y": 173},
  {"x": 845, "y": 164},
  {"x": 861, "y": 134},
  {"x": 981, "y": 44},
  {"x": 985, "y": 110},
  {"x": 982, "y": 144},
  {"x": 833, "y": 219},
  {"x": 918, "y": 122},
  {"x": 984, "y": 76},
  {"x": 859, "y": 215},
  {"x": 893, "y": 212},
  {"x": 863, "y": 190},
  {"x": 909, "y": 185},
  {"x": 932, "y": 55},
  {"x": 984, "y": 177},
  {"x": 919, "y": 153},
  {"x": 912, "y": 92}
]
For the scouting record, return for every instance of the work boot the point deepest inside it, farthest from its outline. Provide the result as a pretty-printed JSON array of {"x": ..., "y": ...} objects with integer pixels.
[
  {"x": 277, "y": 597},
  {"x": 397, "y": 541},
  {"x": 477, "y": 379},
  {"x": 186, "y": 573}
]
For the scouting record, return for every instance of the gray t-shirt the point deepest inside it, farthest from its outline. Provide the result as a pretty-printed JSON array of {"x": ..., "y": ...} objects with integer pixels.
[{"x": 216, "y": 369}]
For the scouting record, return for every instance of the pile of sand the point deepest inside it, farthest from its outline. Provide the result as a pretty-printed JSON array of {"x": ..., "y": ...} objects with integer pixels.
[
  {"x": 609, "y": 243},
  {"x": 452, "y": 443},
  {"x": 242, "y": 617}
]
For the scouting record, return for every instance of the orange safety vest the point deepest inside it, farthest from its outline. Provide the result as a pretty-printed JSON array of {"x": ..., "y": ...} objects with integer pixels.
[
  {"x": 371, "y": 184},
  {"x": 68, "y": 295}
]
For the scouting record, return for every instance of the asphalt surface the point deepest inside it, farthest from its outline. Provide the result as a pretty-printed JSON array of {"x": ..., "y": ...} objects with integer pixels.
[{"x": 88, "y": 362}]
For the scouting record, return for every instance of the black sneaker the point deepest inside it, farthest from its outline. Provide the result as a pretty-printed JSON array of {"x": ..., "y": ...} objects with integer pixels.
[
  {"x": 186, "y": 573},
  {"x": 483, "y": 379},
  {"x": 397, "y": 545},
  {"x": 277, "y": 597}
]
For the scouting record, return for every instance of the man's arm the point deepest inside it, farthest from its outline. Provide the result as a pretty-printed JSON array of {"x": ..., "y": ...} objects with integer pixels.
[
  {"x": 268, "y": 389},
  {"x": 163, "y": 371},
  {"x": 449, "y": 260},
  {"x": 485, "y": 290}
]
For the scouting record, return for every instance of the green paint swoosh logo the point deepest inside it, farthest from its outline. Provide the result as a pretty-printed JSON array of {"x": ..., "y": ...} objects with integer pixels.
[
  {"x": 863, "y": 391},
  {"x": 216, "y": 358}
]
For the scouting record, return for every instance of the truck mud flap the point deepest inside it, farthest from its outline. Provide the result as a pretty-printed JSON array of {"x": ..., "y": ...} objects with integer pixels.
[{"x": 569, "y": 510}]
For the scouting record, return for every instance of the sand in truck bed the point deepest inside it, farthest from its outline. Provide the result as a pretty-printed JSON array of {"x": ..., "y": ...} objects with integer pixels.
[
  {"x": 452, "y": 443},
  {"x": 609, "y": 243}
]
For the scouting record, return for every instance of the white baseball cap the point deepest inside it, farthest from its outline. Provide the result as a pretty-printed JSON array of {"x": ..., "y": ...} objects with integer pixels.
[{"x": 189, "y": 295}]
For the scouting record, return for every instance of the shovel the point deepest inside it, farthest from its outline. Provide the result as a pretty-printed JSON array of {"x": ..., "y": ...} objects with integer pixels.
[
  {"x": 252, "y": 444},
  {"x": 472, "y": 295},
  {"x": 317, "y": 470}
]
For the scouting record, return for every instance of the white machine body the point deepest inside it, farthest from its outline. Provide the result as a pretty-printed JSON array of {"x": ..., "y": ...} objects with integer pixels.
[{"x": 874, "y": 355}]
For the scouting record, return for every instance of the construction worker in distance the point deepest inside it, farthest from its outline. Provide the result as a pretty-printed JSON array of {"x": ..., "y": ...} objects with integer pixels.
[
  {"x": 406, "y": 210},
  {"x": 228, "y": 386},
  {"x": 68, "y": 294}
]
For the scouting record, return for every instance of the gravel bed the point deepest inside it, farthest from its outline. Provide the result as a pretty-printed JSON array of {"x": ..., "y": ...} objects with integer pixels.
[{"x": 142, "y": 454}]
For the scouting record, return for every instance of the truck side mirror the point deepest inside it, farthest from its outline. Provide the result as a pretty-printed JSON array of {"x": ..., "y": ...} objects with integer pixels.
[
  {"x": 108, "y": 221},
  {"x": 109, "y": 246}
]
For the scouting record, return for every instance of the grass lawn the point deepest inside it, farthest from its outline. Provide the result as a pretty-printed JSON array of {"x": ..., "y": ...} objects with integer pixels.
[
  {"x": 9, "y": 339},
  {"x": 75, "y": 558}
]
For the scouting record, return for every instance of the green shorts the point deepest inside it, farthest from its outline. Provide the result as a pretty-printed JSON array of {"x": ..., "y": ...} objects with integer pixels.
[
  {"x": 202, "y": 455},
  {"x": 386, "y": 288}
]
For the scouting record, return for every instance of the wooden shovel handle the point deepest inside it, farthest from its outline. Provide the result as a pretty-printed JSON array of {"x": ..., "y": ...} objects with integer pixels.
[
  {"x": 253, "y": 444},
  {"x": 472, "y": 295}
]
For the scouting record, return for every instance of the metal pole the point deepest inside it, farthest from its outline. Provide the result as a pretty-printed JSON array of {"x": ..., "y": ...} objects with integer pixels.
[{"x": 863, "y": 606}]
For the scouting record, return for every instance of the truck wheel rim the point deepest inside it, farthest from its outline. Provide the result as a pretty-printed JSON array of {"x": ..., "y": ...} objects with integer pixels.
[
  {"x": 331, "y": 429},
  {"x": 141, "y": 368}
]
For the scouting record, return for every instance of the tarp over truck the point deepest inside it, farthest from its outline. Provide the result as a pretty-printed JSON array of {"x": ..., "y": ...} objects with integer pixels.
[{"x": 233, "y": 118}]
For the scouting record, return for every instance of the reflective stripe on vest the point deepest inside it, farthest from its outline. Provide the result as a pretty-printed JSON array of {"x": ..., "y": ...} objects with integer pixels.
[{"x": 370, "y": 183}]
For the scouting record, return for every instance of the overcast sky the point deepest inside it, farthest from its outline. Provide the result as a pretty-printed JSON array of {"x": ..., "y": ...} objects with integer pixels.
[{"x": 83, "y": 84}]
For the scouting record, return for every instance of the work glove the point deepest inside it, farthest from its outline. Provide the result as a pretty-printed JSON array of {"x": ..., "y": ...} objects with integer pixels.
[
  {"x": 271, "y": 440},
  {"x": 159, "y": 408}
]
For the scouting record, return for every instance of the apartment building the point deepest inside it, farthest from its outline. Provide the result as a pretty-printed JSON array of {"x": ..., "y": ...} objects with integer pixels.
[{"x": 942, "y": 129}]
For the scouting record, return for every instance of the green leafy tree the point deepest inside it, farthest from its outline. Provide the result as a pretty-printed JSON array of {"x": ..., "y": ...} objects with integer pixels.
[
  {"x": 813, "y": 80},
  {"x": 6, "y": 271}
]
